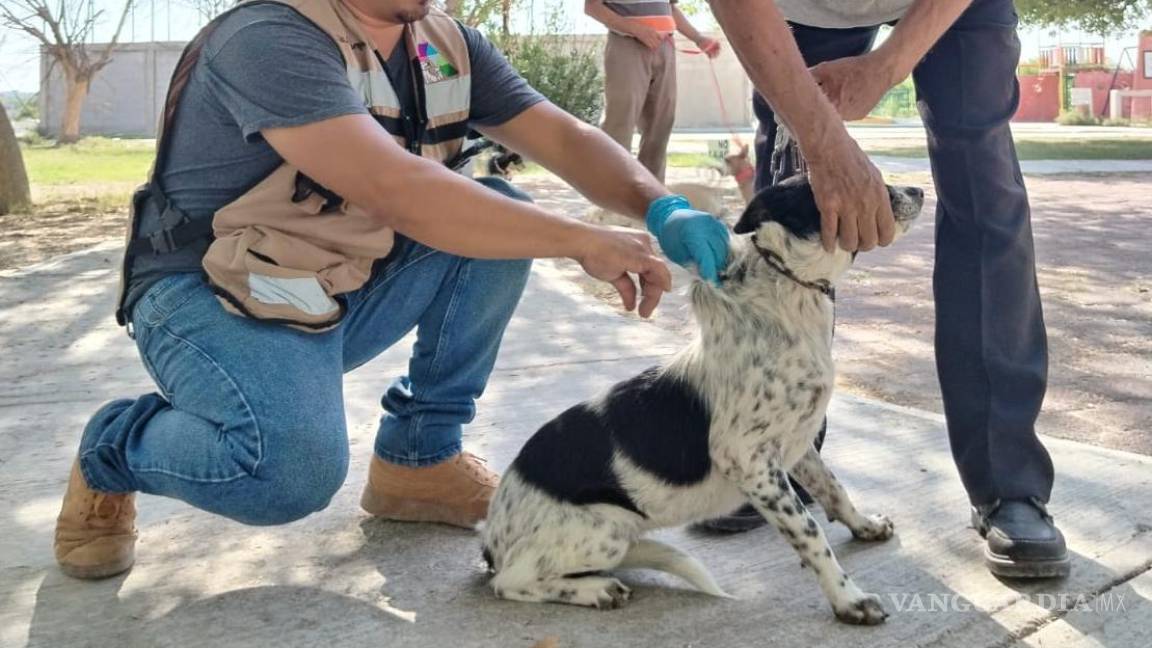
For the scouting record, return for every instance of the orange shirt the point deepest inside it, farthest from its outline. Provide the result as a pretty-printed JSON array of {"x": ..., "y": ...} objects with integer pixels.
[{"x": 656, "y": 14}]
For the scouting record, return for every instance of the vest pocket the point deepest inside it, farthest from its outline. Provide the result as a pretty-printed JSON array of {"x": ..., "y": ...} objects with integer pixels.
[{"x": 249, "y": 280}]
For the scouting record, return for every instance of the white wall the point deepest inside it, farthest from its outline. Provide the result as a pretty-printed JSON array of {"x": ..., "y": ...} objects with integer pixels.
[{"x": 127, "y": 96}]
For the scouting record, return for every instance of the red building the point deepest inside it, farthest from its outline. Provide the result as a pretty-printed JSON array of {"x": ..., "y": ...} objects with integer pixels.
[{"x": 1077, "y": 77}]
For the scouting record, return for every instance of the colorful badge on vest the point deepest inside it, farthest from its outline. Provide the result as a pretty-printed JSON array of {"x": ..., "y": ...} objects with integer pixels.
[{"x": 435, "y": 66}]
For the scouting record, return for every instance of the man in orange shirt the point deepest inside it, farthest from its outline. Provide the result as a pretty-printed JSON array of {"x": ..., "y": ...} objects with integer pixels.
[{"x": 640, "y": 72}]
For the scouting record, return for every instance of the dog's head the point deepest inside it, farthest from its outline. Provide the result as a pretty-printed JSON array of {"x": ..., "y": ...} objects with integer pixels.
[{"x": 785, "y": 221}]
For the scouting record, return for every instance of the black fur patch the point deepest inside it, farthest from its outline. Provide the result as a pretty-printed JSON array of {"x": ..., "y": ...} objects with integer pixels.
[
  {"x": 789, "y": 203},
  {"x": 657, "y": 422}
]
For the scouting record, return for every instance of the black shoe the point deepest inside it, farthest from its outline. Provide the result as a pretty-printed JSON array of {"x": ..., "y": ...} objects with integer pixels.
[
  {"x": 742, "y": 519},
  {"x": 805, "y": 498},
  {"x": 1022, "y": 540},
  {"x": 745, "y": 518}
]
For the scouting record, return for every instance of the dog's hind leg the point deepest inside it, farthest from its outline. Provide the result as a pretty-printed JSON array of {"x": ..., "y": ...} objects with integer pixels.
[
  {"x": 766, "y": 485},
  {"x": 815, "y": 476},
  {"x": 600, "y": 592},
  {"x": 558, "y": 564}
]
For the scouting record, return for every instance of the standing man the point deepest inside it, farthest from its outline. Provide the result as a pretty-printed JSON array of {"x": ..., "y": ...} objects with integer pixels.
[
  {"x": 640, "y": 72},
  {"x": 301, "y": 218},
  {"x": 991, "y": 345}
]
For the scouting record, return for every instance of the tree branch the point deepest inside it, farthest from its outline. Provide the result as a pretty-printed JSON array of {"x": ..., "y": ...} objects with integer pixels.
[{"x": 106, "y": 55}]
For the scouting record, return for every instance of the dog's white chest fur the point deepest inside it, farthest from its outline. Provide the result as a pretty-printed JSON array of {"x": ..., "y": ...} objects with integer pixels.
[{"x": 768, "y": 385}]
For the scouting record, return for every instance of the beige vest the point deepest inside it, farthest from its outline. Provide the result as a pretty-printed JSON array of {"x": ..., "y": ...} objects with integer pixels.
[{"x": 285, "y": 250}]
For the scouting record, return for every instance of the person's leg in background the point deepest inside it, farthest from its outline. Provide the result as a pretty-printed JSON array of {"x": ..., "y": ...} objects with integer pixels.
[
  {"x": 817, "y": 45},
  {"x": 460, "y": 308},
  {"x": 659, "y": 112},
  {"x": 627, "y": 77},
  {"x": 991, "y": 345}
]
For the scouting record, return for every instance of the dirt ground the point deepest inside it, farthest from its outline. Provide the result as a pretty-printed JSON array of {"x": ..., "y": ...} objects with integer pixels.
[
  {"x": 65, "y": 219},
  {"x": 1095, "y": 270}
]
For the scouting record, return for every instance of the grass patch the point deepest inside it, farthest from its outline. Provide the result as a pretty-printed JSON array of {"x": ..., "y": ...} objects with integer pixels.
[
  {"x": 693, "y": 160},
  {"x": 92, "y": 160},
  {"x": 1137, "y": 149}
]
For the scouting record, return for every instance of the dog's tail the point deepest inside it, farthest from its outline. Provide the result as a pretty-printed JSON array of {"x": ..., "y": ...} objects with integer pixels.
[{"x": 650, "y": 554}]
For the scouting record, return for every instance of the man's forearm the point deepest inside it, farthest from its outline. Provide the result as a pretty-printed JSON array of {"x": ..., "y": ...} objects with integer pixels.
[
  {"x": 422, "y": 199},
  {"x": 452, "y": 213},
  {"x": 684, "y": 26},
  {"x": 583, "y": 156},
  {"x": 758, "y": 34},
  {"x": 915, "y": 34},
  {"x": 605, "y": 173}
]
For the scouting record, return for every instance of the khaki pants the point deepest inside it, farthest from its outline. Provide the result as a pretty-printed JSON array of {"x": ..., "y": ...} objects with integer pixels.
[{"x": 640, "y": 91}]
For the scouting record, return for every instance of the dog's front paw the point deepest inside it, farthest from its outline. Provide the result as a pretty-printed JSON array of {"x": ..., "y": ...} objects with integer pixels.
[
  {"x": 874, "y": 528},
  {"x": 865, "y": 610}
]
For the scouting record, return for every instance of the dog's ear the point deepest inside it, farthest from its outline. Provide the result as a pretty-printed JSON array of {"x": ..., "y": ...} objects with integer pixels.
[
  {"x": 789, "y": 203},
  {"x": 753, "y": 215}
]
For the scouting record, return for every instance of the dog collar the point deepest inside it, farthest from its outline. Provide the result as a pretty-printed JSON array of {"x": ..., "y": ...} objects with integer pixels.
[{"x": 776, "y": 263}]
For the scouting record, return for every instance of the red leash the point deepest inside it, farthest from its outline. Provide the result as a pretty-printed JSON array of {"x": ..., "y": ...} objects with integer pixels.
[{"x": 724, "y": 117}]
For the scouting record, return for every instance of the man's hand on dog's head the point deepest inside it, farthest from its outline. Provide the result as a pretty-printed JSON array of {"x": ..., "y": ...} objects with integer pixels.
[
  {"x": 614, "y": 255},
  {"x": 851, "y": 194}
]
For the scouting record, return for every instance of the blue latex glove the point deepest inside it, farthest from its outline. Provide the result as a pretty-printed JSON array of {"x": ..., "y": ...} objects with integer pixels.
[{"x": 689, "y": 236}]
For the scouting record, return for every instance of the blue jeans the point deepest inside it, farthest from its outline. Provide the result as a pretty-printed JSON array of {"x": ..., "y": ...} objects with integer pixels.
[
  {"x": 250, "y": 422},
  {"x": 991, "y": 344}
]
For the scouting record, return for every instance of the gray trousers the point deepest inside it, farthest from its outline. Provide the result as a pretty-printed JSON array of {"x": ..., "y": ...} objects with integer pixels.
[
  {"x": 640, "y": 91},
  {"x": 991, "y": 345}
]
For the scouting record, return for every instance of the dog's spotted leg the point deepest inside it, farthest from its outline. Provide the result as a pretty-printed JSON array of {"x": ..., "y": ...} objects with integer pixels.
[
  {"x": 766, "y": 486},
  {"x": 559, "y": 561},
  {"x": 814, "y": 475},
  {"x": 599, "y": 592}
]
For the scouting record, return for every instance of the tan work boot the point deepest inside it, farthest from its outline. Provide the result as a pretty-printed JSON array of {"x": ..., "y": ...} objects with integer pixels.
[
  {"x": 95, "y": 536},
  {"x": 454, "y": 492}
]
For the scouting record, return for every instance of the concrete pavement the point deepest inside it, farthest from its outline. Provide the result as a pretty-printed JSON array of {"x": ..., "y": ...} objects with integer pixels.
[{"x": 339, "y": 578}]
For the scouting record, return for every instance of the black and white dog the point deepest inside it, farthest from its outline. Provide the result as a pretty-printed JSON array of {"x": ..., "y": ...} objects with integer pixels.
[{"x": 722, "y": 424}]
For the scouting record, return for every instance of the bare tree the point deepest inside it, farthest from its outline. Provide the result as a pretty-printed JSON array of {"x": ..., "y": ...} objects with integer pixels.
[
  {"x": 14, "y": 194},
  {"x": 209, "y": 9},
  {"x": 65, "y": 30}
]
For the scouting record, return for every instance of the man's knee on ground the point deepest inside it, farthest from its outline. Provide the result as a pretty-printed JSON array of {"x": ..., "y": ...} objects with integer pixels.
[{"x": 299, "y": 478}]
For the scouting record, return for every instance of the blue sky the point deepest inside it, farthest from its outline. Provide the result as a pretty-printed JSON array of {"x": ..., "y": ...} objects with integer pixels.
[{"x": 174, "y": 20}]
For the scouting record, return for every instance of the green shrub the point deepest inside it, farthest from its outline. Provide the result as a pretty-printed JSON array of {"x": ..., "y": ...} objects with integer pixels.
[
  {"x": 1076, "y": 118},
  {"x": 560, "y": 66},
  {"x": 900, "y": 101}
]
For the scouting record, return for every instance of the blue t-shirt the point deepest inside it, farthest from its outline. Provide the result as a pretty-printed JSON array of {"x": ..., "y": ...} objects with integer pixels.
[{"x": 266, "y": 66}]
